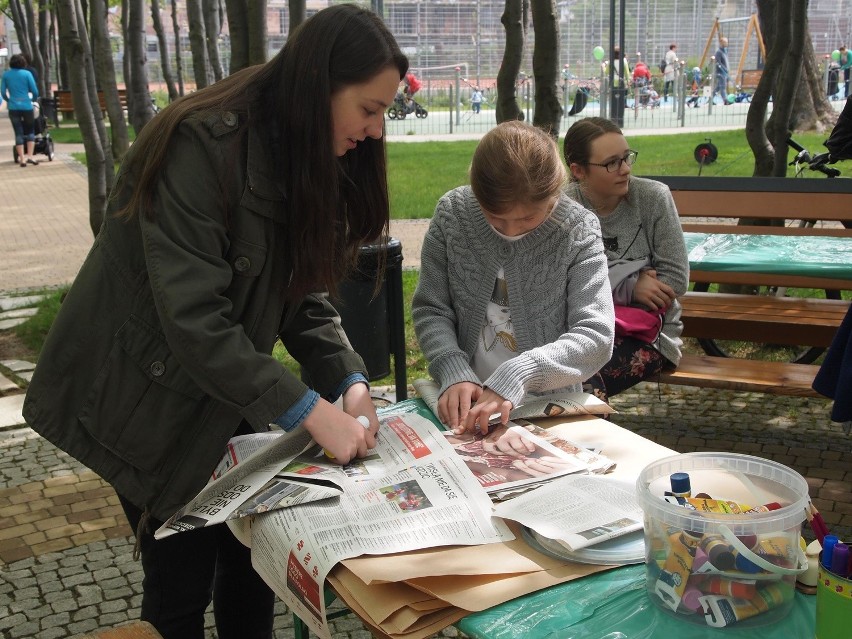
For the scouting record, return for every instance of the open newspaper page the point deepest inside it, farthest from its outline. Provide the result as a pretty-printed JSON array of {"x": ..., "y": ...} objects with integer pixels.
[
  {"x": 522, "y": 455},
  {"x": 266, "y": 471},
  {"x": 578, "y": 510},
  {"x": 554, "y": 405},
  {"x": 433, "y": 501}
]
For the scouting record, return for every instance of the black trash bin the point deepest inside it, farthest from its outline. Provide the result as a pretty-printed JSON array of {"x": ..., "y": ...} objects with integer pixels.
[
  {"x": 376, "y": 325},
  {"x": 617, "y": 103}
]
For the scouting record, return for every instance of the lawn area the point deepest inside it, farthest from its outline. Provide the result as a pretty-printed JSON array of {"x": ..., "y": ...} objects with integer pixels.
[{"x": 420, "y": 173}]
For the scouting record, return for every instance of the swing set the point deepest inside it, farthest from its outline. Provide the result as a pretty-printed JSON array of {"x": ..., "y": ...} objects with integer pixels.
[{"x": 745, "y": 78}]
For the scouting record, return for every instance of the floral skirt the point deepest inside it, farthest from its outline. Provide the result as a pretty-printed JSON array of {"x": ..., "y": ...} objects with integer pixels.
[{"x": 632, "y": 361}]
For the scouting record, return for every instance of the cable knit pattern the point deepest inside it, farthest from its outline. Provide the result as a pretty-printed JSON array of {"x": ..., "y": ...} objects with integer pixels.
[
  {"x": 649, "y": 206},
  {"x": 559, "y": 297}
]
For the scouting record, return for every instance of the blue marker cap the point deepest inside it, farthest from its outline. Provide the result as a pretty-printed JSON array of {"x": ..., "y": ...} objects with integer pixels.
[
  {"x": 840, "y": 560},
  {"x": 680, "y": 484},
  {"x": 743, "y": 564},
  {"x": 828, "y": 549}
]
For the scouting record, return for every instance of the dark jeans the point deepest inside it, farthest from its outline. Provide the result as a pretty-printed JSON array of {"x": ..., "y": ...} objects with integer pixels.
[
  {"x": 632, "y": 361},
  {"x": 184, "y": 572},
  {"x": 668, "y": 85},
  {"x": 23, "y": 123}
]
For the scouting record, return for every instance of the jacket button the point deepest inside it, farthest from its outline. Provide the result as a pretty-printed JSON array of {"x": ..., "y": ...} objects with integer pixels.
[
  {"x": 229, "y": 118},
  {"x": 157, "y": 369},
  {"x": 242, "y": 264}
]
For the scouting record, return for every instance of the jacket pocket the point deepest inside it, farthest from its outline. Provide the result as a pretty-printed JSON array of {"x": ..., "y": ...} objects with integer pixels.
[{"x": 142, "y": 399}]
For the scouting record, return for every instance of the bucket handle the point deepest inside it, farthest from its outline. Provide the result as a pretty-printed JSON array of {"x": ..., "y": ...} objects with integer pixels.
[{"x": 756, "y": 559}]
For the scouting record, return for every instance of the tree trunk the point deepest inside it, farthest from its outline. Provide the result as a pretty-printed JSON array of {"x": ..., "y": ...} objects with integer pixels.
[
  {"x": 811, "y": 111},
  {"x": 514, "y": 22},
  {"x": 163, "y": 46},
  {"x": 238, "y": 32},
  {"x": 35, "y": 52},
  {"x": 44, "y": 19},
  {"x": 212, "y": 28},
  {"x": 139, "y": 104},
  {"x": 197, "y": 44},
  {"x": 178, "y": 48},
  {"x": 297, "y": 13},
  {"x": 548, "y": 110},
  {"x": 790, "y": 36},
  {"x": 72, "y": 39},
  {"x": 105, "y": 74},
  {"x": 257, "y": 32}
]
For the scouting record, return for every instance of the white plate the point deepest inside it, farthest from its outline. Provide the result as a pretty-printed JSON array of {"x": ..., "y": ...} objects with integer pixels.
[{"x": 627, "y": 549}]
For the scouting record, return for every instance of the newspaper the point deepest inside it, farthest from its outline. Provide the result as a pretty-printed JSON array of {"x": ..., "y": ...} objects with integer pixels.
[
  {"x": 578, "y": 510},
  {"x": 411, "y": 492},
  {"x": 554, "y": 405},
  {"x": 520, "y": 455}
]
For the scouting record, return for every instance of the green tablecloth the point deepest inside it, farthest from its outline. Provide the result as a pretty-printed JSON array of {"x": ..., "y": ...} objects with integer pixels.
[
  {"x": 609, "y": 605},
  {"x": 614, "y": 605},
  {"x": 781, "y": 254}
]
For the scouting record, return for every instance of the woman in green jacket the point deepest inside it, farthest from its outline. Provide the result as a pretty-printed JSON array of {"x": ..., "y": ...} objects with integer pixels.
[{"x": 233, "y": 208}]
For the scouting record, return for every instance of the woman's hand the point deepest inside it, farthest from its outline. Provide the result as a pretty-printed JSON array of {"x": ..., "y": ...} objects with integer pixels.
[
  {"x": 651, "y": 292},
  {"x": 339, "y": 433},
  {"x": 357, "y": 402},
  {"x": 488, "y": 404},
  {"x": 455, "y": 402}
]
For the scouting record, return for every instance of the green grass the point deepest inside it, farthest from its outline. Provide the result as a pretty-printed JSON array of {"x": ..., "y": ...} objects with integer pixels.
[
  {"x": 33, "y": 332},
  {"x": 421, "y": 172}
]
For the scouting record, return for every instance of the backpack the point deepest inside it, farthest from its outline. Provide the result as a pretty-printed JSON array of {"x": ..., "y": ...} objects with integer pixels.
[{"x": 663, "y": 65}]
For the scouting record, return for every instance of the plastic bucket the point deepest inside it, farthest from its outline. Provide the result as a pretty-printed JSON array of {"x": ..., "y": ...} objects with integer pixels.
[{"x": 719, "y": 569}]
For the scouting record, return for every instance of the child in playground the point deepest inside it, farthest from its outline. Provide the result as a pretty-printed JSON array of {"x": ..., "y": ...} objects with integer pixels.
[{"x": 513, "y": 296}]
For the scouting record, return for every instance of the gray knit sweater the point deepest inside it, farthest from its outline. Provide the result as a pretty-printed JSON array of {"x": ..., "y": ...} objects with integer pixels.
[
  {"x": 646, "y": 225},
  {"x": 559, "y": 297}
]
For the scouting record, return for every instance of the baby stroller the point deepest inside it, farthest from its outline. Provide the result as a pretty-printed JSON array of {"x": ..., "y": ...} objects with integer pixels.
[
  {"x": 404, "y": 105},
  {"x": 43, "y": 141}
]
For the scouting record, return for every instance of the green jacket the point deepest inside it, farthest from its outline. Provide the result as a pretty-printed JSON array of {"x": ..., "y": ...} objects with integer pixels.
[{"x": 162, "y": 346}]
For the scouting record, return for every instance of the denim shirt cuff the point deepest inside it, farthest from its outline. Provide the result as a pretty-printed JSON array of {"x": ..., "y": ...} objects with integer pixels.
[
  {"x": 354, "y": 378},
  {"x": 296, "y": 414}
]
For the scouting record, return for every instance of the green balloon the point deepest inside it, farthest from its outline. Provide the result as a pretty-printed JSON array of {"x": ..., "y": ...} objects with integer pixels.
[
  {"x": 598, "y": 52},
  {"x": 835, "y": 55}
]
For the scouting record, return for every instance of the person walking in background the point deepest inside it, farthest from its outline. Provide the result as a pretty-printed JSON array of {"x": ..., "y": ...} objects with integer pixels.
[
  {"x": 18, "y": 88},
  {"x": 722, "y": 70},
  {"x": 669, "y": 71},
  {"x": 513, "y": 297},
  {"x": 476, "y": 100},
  {"x": 234, "y": 209},
  {"x": 645, "y": 250},
  {"x": 845, "y": 62}
]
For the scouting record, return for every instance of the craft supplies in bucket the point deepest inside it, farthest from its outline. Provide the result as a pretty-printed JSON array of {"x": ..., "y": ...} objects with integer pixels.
[{"x": 727, "y": 552}]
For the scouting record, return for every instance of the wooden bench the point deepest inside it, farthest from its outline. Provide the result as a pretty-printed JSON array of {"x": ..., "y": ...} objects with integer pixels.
[
  {"x": 65, "y": 102},
  {"x": 749, "y": 79},
  {"x": 713, "y": 205}
]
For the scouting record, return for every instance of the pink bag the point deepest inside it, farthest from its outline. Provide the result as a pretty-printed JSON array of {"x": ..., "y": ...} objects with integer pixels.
[{"x": 638, "y": 323}]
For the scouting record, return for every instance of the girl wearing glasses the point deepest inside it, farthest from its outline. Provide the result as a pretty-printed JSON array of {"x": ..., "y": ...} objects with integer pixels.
[
  {"x": 513, "y": 296},
  {"x": 645, "y": 250}
]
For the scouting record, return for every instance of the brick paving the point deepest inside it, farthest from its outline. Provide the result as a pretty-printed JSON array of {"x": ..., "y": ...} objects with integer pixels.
[{"x": 66, "y": 563}]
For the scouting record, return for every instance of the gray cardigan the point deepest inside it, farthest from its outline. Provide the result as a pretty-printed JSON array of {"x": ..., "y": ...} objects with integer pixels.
[
  {"x": 645, "y": 226},
  {"x": 559, "y": 297}
]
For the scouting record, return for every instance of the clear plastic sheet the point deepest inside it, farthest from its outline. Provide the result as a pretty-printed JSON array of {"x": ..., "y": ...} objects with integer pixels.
[
  {"x": 790, "y": 255},
  {"x": 614, "y": 605}
]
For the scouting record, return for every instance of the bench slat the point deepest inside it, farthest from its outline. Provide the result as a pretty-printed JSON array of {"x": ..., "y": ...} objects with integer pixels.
[
  {"x": 770, "y": 279},
  {"x": 755, "y": 318},
  {"x": 773, "y": 378}
]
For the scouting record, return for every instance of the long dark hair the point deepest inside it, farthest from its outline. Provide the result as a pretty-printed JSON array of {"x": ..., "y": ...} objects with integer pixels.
[{"x": 336, "y": 204}]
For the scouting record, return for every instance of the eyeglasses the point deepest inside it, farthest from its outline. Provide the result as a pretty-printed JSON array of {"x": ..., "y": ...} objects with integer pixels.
[{"x": 613, "y": 165}]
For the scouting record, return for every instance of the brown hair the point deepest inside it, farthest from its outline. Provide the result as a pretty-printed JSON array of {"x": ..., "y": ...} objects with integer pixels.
[
  {"x": 338, "y": 203},
  {"x": 515, "y": 163},
  {"x": 577, "y": 146}
]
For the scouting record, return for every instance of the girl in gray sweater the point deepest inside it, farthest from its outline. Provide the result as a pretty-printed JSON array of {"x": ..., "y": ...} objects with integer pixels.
[
  {"x": 643, "y": 240},
  {"x": 513, "y": 296}
]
